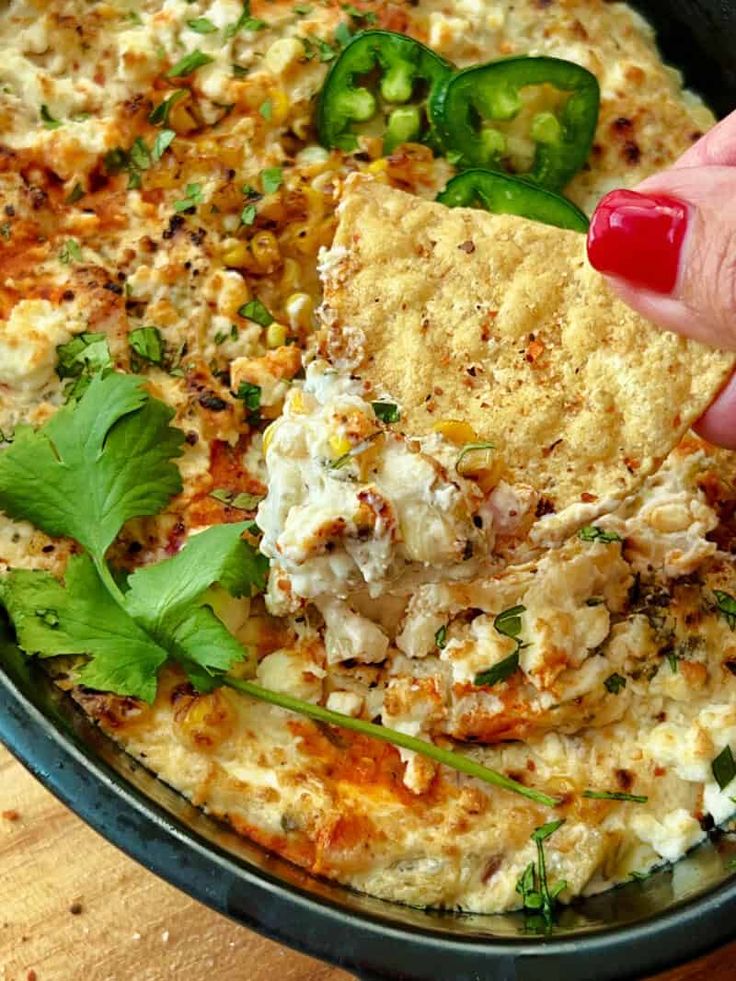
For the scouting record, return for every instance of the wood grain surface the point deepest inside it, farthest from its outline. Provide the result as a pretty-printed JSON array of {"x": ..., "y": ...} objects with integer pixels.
[{"x": 73, "y": 908}]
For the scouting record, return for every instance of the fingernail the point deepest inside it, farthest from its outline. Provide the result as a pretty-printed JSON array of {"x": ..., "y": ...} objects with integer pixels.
[{"x": 638, "y": 237}]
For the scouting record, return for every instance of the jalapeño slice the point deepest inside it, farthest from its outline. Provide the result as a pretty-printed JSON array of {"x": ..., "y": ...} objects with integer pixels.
[
  {"x": 465, "y": 107},
  {"x": 506, "y": 195},
  {"x": 381, "y": 81}
]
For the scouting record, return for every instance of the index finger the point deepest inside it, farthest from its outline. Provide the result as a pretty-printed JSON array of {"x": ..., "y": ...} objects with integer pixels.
[{"x": 717, "y": 147}]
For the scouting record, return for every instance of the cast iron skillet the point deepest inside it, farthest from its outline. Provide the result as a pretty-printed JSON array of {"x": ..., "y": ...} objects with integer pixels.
[{"x": 627, "y": 933}]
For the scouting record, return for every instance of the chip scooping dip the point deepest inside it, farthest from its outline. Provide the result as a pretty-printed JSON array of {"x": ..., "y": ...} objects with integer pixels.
[{"x": 501, "y": 323}]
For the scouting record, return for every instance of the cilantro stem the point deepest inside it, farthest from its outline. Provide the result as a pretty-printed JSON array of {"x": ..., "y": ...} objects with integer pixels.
[
  {"x": 103, "y": 571},
  {"x": 455, "y": 761}
]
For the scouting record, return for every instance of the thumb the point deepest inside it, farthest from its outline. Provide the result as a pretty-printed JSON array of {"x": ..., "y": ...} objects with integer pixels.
[{"x": 669, "y": 250}]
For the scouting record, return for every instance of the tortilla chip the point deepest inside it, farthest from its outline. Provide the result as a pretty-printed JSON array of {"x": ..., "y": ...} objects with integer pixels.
[{"x": 501, "y": 322}]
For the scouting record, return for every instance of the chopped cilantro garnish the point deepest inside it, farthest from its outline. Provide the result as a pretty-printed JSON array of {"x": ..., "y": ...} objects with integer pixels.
[
  {"x": 592, "y": 533},
  {"x": 193, "y": 197},
  {"x": 315, "y": 47},
  {"x": 139, "y": 155},
  {"x": 163, "y": 141},
  {"x": 726, "y": 606},
  {"x": 440, "y": 638},
  {"x": 201, "y": 25},
  {"x": 508, "y": 624},
  {"x": 386, "y": 411},
  {"x": 245, "y": 22},
  {"x": 238, "y": 70},
  {"x": 147, "y": 344},
  {"x": 160, "y": 115},
  {"x": 271, "y": 179},
  {"x": 266, "y": 109},
  {"x": 76, "y": 193},
  {"x": 80, "y": 359},
  {"x": 5, "y": 230},
  {"x": 366, "y": 16},
  {"x": 70, "y": 252},
  {"x": 614, "y": 795},
  {"x": 48, "y": 120},
  {"x": 672, "y": 661},
  {"x": 188, "y": 64},
  {"x": 343, "y": 34},
  {"x": 615, "y": 683},
  {"x": 497, "y": 672},
  {"x": 257, "y": 312},
  {"x": 250, "y": 395},
  {"x": 303, "y": 9},
  {"x": 240, "y": 501},
  {"x": 134, "y": 17},
  {"x": 724, "y": 767},
  {"x": 248, "y": 214}
]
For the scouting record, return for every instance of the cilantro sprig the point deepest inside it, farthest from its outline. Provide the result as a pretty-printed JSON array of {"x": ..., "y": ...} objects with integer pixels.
[{"x": 93, "y": 466}]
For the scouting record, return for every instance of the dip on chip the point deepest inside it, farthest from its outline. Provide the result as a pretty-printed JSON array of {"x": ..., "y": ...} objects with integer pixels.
[{"x": 501, "y": 323}]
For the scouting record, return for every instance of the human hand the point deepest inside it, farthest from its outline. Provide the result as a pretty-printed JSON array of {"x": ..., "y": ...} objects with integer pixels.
[{"x": 669, "y": 251}]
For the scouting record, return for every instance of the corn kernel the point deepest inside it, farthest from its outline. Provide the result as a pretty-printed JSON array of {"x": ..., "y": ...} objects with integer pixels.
[
  {"x": 204, "y": 722},
  {"x": 455, "y": 431},
  {"x": 340, "y": 445},
  {"x": 283, "y": 54},
  {"x": 489, "y": 477},
  {"x": 181, "y": 119},
  {"x": 236, "y": 255},
  {"x": 275, "y": 335},
  {"x": 291, "y": 276},
  {"x": 299, "y": 308},
  {"x": 265, "y": 250},
  {"x": 378, "y": 166},
  {"x": 268, "y": 435},
  {"x": 279, "y": 106},
  {"x": 296, "y": 402}
]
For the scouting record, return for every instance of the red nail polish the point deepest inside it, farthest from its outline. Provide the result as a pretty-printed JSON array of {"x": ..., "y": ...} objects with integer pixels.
[{"x": 638, "y": 237}]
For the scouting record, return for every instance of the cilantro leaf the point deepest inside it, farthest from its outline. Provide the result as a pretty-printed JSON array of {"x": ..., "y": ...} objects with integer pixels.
[
  {"x": 203, "y": 646},
  {"x": 94, "y": 464},
  {"x": 159, "y": 594},
  {"x": 83, "y": 618}
]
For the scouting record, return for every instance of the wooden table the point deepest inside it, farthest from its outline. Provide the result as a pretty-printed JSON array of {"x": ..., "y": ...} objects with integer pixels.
[{"x": 73, "y": 908}]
